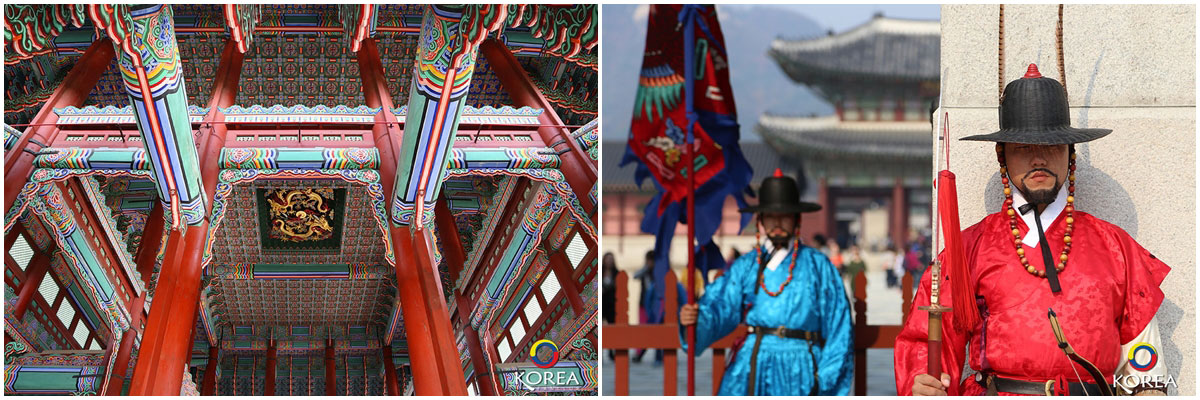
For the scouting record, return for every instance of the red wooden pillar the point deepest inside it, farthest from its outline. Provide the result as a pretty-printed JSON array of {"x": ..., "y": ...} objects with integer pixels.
[
  {"x": 39, "y": 266},
  {"x": 456, "y": 257},
  {"x": 386, "y": 133},
  {"x": 391, "y": 382},
  {"x": 566, "y": 281},
  {"x": 576, "y": 164},
  {"x": 152, "y": 234},
  {"x": 442, "y": 332},
  {"x": 165, "y": 346},
  {"x": 330, "y": 370},
  {"x": 899, "y": 213},
  {"x": 74, "y": 89},
  {"x": 269, "y": 378},
  {"x": 828, "y": 213},
  {"x": 209, "y": 385},
  {"x": 121, "y": 364},
  {"x": 432, "y": 351}
]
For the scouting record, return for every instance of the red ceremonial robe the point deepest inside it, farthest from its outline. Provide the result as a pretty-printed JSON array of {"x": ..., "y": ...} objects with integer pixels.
[{"x": 1110, "y": 291}]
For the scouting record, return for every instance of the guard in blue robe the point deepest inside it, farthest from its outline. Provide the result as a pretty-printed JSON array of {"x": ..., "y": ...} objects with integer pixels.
[{"x": 794, "y": 303}]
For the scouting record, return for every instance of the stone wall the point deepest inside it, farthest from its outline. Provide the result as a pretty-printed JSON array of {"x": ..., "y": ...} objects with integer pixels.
[{"x": 1129, "y": 68}]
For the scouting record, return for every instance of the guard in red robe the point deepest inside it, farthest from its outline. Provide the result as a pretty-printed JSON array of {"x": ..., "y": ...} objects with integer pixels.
[{"x": 1037, "y": 257}]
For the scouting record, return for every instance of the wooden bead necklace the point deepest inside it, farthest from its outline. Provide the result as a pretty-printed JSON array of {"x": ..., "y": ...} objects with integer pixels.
[{"x": 1012, "y": 214}]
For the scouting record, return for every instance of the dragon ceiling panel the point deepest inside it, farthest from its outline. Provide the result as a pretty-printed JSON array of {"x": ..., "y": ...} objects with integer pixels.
[
  {"x": 238, "y": 238},
  {"x": 304, "y": 220}
]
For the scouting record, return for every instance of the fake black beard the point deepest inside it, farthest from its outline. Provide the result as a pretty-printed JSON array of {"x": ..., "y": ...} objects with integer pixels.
[
  {"x": 1043, "y": 196},
  {"x": 779, "y": 240}
]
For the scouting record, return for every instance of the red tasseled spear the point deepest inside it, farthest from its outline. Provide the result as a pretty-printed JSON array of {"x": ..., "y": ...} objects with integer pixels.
[{"x": 954, "y": 259}]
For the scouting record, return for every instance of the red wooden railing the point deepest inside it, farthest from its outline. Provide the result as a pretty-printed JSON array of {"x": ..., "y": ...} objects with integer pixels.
[{"x": 622, "y": 337}]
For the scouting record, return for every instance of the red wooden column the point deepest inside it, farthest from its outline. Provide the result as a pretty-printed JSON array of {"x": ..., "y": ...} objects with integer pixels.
[
  {"x": 391, "y": 383},
  {"x": 441, "y": 331},
  {"x": 426, "y": 319},
  {"x": 165, "y": 345},
  {"x": 269, "y": 378},
  {"x": 209, "y": 385},
  {"x": 330, "y": 370},
  {"x": 899, "y": 213},
  {"x": 152, "y": 234},
  {"x": 38, "y": 267},
  {"x": 166, "y": 348},
  {"x": 566, "y": 281},
  {"x": 74, "y": 89},
  {"x": 576, "y": 165},
  {"x": 456, "y": 257},
  {"x": 827, "y": 216},
  {"x": 124, "y": 352}
]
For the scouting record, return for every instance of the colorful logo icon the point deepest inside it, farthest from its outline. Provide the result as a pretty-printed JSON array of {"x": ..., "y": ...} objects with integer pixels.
[
  {"x": 549, "y": 357},
  {"x": 1142, "y": 348}
]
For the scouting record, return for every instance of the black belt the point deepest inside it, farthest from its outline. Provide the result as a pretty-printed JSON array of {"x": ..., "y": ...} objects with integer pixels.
[
  {"x": 995, "y": 384},
  {"x": 789, "y": 334},
  {"x": 760, "y": 331}
]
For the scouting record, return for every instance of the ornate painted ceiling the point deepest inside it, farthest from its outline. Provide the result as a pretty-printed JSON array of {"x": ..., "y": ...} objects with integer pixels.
[
  {"x": 471, "y": 199},
  {"x": 290, "y": 302},
  {"x": 237, "y": 239},
  {"x": 308, "y": 69},
  {"x": 131, "y": 201},
  {"x": 318, "y": 68}
]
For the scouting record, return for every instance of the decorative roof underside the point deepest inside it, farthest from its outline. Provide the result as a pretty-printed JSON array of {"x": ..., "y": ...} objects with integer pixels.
[
  {"x": 310, "y": 302},
  {"x": 826, "y": 138},
  {"x": 884, "y": 48},
  {"x": 131, "y": 201},
  {"x": 304, "y": 68},
  {"x": 238, "y": 240}
]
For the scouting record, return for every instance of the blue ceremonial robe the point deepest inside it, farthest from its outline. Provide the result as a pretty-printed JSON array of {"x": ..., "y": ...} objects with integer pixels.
[{"x": 814, "y": 301}]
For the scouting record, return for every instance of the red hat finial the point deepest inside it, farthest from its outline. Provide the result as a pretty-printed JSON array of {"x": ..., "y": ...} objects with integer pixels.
[
  {"x": 1032, "y": 72},
  {"x": 778, "y": 173}
]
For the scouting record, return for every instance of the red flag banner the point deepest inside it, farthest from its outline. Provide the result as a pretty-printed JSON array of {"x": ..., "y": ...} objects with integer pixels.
[{"x": 660, "y": 118}]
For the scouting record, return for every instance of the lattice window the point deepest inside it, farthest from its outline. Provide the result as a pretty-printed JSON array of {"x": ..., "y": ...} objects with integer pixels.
[
  {"x": 522, "y": 138},
  {"x": 95, "y": 138},
  {"x": 550, "y": 286},
  {"x": 517, "y": 331},
  {"x": 353, "y": 138},
  {"x": 504, "y": 349},
  {"x": 533, "y": 310},
  {"x": 576, "y": 250},
  {"x": 74, "y": 138},
  {"x": 49, "y": 290},
  {"x": 245, "y": 138},
  {"x": 81, "y": 333},
  {"x": 21, "y": 252}
]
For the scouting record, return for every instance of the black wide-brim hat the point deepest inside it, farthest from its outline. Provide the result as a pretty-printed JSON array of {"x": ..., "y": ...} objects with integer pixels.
[
  {"x": 780, "y": 194},
  {"x": 1035, "y": 111}
]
